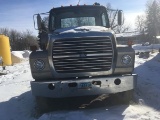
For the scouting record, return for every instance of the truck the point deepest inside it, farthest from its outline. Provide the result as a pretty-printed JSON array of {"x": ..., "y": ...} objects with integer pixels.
[{"x": 79, "y": 56}]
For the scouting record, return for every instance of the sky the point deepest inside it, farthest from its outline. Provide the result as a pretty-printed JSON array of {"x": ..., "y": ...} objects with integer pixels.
[{"x": 18, "y": 14}]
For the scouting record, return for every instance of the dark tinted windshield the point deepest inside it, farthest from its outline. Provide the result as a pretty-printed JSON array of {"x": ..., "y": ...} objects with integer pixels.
[{"x": 78, "y": 16}]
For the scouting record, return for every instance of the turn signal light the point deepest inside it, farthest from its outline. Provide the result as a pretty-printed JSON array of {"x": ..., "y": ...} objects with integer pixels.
[{"x": 130, "y": 43}]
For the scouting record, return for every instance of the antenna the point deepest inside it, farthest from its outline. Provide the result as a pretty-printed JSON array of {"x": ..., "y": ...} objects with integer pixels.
[{"x": 79, "y": 2}]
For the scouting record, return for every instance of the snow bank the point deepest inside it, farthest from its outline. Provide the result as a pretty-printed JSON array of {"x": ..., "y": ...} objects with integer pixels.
[
  {"x": 26, "y": 53},
  {"x": 148, "y": 79},
  {"x": 19, "y": 56}
]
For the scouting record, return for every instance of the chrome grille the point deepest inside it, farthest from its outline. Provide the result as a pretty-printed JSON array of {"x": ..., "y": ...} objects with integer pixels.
[{"x": 82, "y": 54}]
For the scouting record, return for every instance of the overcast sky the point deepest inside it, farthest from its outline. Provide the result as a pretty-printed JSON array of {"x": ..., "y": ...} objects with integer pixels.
[{"x": 18, "y": 14}]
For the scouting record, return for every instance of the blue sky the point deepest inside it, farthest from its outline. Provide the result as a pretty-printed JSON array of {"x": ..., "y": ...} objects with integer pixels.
[{"x": 18, "y": 14}]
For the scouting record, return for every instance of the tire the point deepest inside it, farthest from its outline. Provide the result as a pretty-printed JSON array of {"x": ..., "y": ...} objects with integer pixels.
[
  {"x": 127, "y": 96},
  {"x": 42, "y": 104},
  {"x": 123, "y": 97}
]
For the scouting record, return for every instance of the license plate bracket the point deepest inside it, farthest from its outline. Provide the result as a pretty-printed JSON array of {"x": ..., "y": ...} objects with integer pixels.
[{"x": 85, "y": 85}]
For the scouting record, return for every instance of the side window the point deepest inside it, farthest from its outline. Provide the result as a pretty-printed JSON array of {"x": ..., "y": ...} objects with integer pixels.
[{"x": 104, "y": 20}]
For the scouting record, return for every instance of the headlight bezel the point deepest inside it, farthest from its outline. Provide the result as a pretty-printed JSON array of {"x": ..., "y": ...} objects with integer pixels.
[
  {"x": 39, "y": 64},
  {"x": 126, "y": 59}
]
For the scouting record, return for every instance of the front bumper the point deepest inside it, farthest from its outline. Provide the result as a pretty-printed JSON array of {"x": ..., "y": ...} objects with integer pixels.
[{"x": 102, "y": 85}]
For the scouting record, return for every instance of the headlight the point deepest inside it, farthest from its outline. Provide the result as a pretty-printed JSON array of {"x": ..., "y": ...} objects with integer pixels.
[
  {"x": 126, "y": 59},
  {"x": 39, "y": 64}
]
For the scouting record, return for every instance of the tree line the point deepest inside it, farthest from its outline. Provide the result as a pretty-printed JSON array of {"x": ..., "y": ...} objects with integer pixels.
[
  {"x": 19, "y": 40},
  {"x": 149, "y": 22}
]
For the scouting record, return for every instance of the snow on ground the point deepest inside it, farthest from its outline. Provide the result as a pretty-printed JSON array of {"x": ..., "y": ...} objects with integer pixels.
[
  {"x": 17, "y": 102},
  {"x": 19, "y": 54}
]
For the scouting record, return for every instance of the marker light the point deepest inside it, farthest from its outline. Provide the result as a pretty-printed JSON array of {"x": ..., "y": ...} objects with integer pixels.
[{"x": 130, "y": 42}]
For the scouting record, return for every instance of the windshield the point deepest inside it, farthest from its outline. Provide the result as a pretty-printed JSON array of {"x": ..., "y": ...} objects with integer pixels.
[
  {"x": 79, "y": 21},
  {"x": 78, "y": 16}
]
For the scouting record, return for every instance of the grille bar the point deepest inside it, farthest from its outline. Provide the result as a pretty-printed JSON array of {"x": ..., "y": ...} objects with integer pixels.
[
  {"x": 82, "y": 55},
  {"x": 87, "y": 55}
]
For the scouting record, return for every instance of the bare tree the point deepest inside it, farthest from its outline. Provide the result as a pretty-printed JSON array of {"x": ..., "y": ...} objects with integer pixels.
[
  {"x": 4, "y": 31},
  {"x": 19, "y": 40},
  {"x": 122, "y": 29},
  {"x": 29, "y": 39},
  {"x": 113, "y": 21},
  {"x": 140, "y": 23}
]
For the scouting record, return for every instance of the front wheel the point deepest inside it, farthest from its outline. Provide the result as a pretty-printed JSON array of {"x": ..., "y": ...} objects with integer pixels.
[
  {"x": 127, "y": 96},
  {"x": 42, "y": 104},
  {"x": 123, "y": 97}
]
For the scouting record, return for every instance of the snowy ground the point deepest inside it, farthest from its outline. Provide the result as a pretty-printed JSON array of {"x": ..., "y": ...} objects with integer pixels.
[{"x": 17, "y": 102}]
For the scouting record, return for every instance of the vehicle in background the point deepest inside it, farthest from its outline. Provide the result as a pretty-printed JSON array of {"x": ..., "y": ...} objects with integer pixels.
[{"x": 146, "y": 44}]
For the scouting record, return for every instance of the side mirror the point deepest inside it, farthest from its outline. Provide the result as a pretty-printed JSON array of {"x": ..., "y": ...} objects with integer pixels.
[
  {"x": 120, "y": 17},
  {"x": 39, "y": 22}
]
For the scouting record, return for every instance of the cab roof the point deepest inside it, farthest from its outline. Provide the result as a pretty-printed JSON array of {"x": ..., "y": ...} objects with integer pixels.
[{"x": 62, "y": 8}]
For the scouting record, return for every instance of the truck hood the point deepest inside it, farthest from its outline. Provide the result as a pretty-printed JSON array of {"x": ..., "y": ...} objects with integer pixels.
[{"x": 82, "y": 29}]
